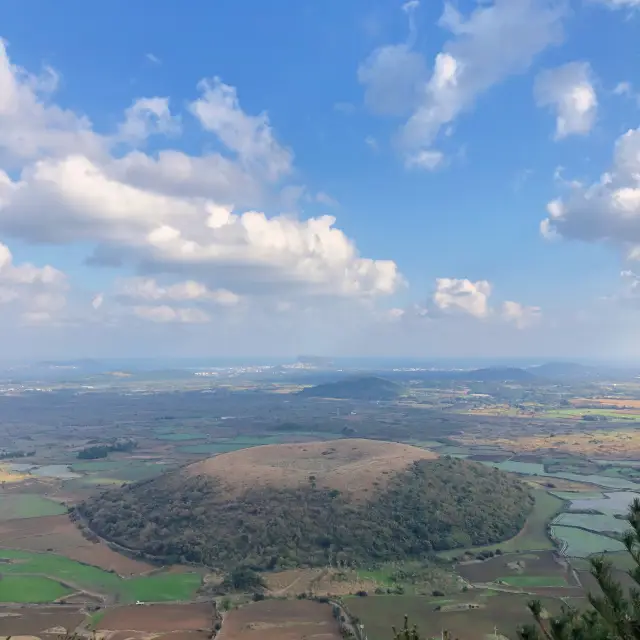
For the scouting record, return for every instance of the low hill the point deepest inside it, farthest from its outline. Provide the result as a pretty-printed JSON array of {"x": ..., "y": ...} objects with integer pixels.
[
  {"x": 498, "y": 374},
  {"x": 280, "y": 506},
  {"x": 365, "y": 388}
]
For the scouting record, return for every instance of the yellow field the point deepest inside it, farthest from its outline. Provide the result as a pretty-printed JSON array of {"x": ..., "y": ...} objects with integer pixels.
[
  {"x": 618, "y": 444},
  {"x": 610, "y": 402},
  {"x": 10, "y": 476}
]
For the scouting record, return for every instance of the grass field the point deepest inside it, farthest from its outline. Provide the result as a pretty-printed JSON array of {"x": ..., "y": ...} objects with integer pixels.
[
  {"x": 533, "y": 536},
  {"x": 33, "y": 589},
  {"x": 160, "y": 587},
  {"x": 27, "y": 505}
]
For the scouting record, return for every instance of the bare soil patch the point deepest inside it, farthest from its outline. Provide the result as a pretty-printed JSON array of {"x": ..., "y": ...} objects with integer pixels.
[
  {"x": 319, "y": 582},
  {"x": 59, "y": 535},
  {"x": 36, "y": 621},
  {"x": 280, "y": 620},
  {"x": 158, "y": 618},
  {"x": 351, "y": 465},
  {"x": 538, "y": 563}
]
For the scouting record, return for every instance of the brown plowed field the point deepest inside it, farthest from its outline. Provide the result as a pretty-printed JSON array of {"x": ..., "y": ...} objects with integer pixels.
[
  {"x": 158, "y": 618},
  {"x": 320, "y": 582},
  {"x": 34, "y": 621},
  {"x": 280, "y": 620},
  {"x": 350, "y": 465},
  {"x": 539, "y": 563},
  {"x": 59, "y": 535}
]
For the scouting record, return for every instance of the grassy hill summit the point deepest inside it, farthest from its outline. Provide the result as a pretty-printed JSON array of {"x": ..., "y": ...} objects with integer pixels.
[
  {"x": 361, "y": 388},
  {"x": 311, "y": 504}
]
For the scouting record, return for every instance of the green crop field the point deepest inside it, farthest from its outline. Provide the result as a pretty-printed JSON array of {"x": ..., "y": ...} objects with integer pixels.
[
  {"x": 158, "y": 587},
  {"x": 27, "y": 505},
  {"x": 32, "y": 589},
  {"x": 581, "y": 544},
  {"x": 161, "y": 587},
  {"x": 612, "y": 414},
  {"x": 534, "y": 581}
]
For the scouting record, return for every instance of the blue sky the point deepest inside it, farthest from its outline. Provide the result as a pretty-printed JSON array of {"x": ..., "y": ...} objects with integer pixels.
[{"x": 165, "y": 177}]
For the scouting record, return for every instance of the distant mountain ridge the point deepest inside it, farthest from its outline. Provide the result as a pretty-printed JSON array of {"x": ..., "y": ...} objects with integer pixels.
[{"x": 361, "y": 388}]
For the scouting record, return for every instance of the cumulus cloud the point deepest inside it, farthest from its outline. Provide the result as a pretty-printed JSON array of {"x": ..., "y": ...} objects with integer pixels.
[
  {"x": 146, "y": 117},
  {"x": 607, "y": 210},
  {"x": 35, "y": 294},
  {"x": 463, "y": 296},
  {"x": 251, "y": 137},
  {"x": 165, "y": 313},
  {"x": 491, "y": 43},
  {"x": 148, "y": 289},
  {"x": 521, "y": 315},
  {"x": 31, "y": 127},
  {"x": 569, "y": 92},
  {"x": 182, "y": 216}
]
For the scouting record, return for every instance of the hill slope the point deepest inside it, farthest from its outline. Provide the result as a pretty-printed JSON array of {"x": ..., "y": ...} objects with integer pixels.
[
  {"x": 367, "y": 388},
  {"x": 291, "y": 505}
]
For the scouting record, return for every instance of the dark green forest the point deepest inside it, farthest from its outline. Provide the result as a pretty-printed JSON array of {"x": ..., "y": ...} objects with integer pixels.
[{"x": 433, "y": 505}]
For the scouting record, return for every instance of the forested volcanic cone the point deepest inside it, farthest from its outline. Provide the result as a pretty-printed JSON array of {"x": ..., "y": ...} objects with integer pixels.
[{"x": 351, "y": 500}]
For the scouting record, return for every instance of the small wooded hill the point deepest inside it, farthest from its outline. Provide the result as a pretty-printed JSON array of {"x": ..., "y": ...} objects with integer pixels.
[
  {"x": 354, "y": 501},
  {"x": 366, "y": 388}
]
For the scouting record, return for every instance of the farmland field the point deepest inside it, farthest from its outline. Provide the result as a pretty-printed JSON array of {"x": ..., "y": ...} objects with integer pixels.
[
  {"x": 59, "y": 535},
  {"x": 281, "y": 620},
  {"x": 33, "y": 621},
  {"x": 581, "y": 544},
  {"x": 611, "y": 503},
  {"x": 534, "y": 581},
  {"x": 157, "y": 587},
  {"x": 178, "y": 437},
  {"x": 506, "y": 612},
  {"x": 30, "y": 589},
  {"x": 157, "y": 618},
  {"x": 26, "y": 505},
  {"x": 540, "y": 565},
  {"x": 592, "y": 522}
]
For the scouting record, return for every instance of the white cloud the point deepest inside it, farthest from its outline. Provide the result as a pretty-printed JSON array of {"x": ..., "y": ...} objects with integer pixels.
[
  {"x": 97, "y": 301},
  {"x": 372, "y": 143},
  {"x": 393, "y": 77},
  {"x": 519, "y": 314},
  {"x": 29, "y": 126},
  {"x": 620, "y": 4},
  {"x": 568, "y": 90},
  {"x": 168, "y": 314},
  {"x": 622, "y": 89},
  {"x": 153, "y": 58},
  {"x": 463, "y": 296},
  {"x": 326, "y": 199},
  {"x": 607, "y": 210},
  {"x": 148, "y": 289},
  {"x": 454, "y": 294},
  {"x": 146, "y": 117},
  {"x": 496, "y": 40},
  {"x": 35, "y": 294},
  {"x": 425, "y": 159},
  {"x": 171, "y": 213},
  {"x": 250, "y": 137}
]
